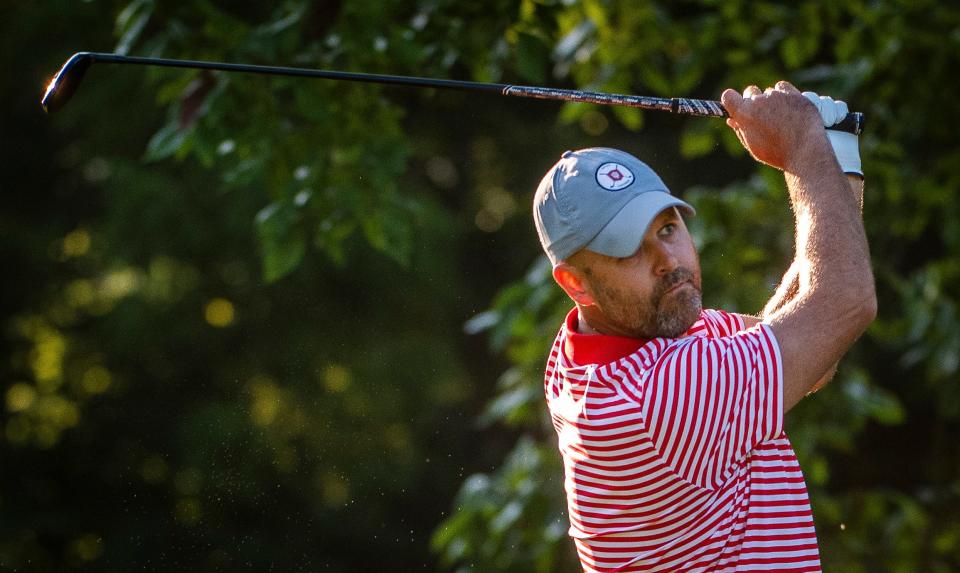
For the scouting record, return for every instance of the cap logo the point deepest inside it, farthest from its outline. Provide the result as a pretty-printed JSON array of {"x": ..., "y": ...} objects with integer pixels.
[{"x": 614, "y": 176}]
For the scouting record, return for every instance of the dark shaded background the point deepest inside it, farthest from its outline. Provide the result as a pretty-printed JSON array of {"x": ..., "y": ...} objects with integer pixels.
[{"x": 288, "y": 325}]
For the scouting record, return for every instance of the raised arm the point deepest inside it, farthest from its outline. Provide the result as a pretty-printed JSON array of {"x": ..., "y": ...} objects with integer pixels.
[
  {"x": 790, "y": 284},
  {"x": 833, "y": 300}
]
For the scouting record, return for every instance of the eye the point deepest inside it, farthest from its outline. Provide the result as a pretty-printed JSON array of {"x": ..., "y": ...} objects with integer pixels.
[{"x": 667, "y": 230}]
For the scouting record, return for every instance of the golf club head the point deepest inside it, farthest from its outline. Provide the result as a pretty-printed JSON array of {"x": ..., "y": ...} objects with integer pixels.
[{"x": 61, "y": 87}]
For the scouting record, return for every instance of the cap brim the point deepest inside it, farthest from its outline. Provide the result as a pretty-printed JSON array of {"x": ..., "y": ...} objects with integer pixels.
[{"x": 621, "y": 237}]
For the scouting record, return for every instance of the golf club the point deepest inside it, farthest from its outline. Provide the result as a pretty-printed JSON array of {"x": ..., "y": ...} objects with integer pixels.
[{"x": 62, "y": 87}]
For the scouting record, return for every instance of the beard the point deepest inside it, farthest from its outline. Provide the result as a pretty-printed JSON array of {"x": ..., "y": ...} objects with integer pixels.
[{"x": 663, "y": 315}]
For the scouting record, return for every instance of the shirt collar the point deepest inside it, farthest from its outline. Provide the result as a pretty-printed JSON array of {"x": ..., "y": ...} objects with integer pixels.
[{"x": 595, "y": 348}]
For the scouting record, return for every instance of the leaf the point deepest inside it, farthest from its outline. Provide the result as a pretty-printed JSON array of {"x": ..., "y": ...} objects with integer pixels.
[
  {"x": 571, "y": 42},
  {"x": 507, "y": 517},
  {"x": 631, "y": 117},
  {"x": 131, "y": 22},
  {"x": 388, "y": 231},
  {"x": 792, "y": 52},
  {"x": 169, "y": 140},
  {"x": 531, "y": 58},
  {"x": 481, "y": 321},
  {"x": 282, "y": 240},
  {"x": 511, "y": 407},
  {"x": 330, "y": 238},
  {"x": 572, "y": 111},
  {"x": 696, "y": 143}
]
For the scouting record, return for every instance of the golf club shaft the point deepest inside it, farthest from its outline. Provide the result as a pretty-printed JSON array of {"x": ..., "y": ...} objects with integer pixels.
[
  {"x": 675, "y": 105},
  {"x": 852, "y": 123}
]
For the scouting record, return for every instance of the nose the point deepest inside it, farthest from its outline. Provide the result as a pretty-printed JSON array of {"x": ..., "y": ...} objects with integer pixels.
[{"x": 666, "y": 260}]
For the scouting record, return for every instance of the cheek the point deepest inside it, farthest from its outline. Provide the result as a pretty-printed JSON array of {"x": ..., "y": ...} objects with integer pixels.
[
  {"x": 624, "y": 287},
  {"x": 637, "y": 287}
]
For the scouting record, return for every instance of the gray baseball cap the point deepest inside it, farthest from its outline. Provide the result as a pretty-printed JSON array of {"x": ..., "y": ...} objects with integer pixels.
[{"x": 601, "y": 199}]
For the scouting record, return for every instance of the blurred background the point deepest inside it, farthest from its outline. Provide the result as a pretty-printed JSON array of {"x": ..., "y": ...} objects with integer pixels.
[{"x": 273, "y": 324}]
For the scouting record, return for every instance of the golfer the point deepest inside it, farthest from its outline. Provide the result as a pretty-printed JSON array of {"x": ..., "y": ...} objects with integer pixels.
[{"x": 669, "y": 416}]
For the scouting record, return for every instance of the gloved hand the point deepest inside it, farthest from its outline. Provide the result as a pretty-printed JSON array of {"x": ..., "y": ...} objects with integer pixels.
[{"x": 845, "y": 145}]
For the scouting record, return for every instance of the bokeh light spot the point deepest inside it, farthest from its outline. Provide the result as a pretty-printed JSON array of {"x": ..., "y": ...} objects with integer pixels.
[
  {"x": 45, "y": 436},
  {"x": 88, "y": 547},
  {"x": 119, "y": 283},
  {"x": 76, "y": 244},
  {"x": 498, "y": 205},
  {"x": 336, "y": 378},
  {"x": 58, "y": 412},
  {"x": 488, "y": 221},
  {"x": 219, "y": 312},
  {"x": 334, "y": 489},
  {"x": 265, "y": 400},
  {"x": 594, "y": 123},
  {"x": 46, "y": 358},
  {"x": 96, "y": 380},
  {"x": 20, "y": 397},
  {"x": 80, "y": 293},
  {"x": 97, "y": 170},
  {"x": 442, "y": 172},
  {"x": 398, "y": 437}
]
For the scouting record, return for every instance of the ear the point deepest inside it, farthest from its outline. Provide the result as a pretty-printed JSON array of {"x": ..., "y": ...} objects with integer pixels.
[{"x": 573, "y": 282}]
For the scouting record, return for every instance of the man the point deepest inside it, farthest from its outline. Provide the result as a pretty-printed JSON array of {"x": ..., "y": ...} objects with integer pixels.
[{"x": 670, "y": 417}]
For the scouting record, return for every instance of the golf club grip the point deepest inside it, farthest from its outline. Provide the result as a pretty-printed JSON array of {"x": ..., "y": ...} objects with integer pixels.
[{"x": 853, "y": 123}]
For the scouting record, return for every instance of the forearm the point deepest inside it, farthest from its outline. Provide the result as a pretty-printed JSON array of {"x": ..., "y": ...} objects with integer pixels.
[
  {"x": 835, "y": 292},
  {"x": 790, "y": 284},
  {"x": 831, "y": 244}
]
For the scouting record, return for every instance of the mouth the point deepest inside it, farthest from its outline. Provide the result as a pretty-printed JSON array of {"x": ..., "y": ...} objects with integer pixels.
[{"x": 677, "y": 286}]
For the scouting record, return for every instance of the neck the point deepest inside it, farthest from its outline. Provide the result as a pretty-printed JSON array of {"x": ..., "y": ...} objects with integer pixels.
[
  {"x": 583, "y": 327},
  {"x": 592, "y": 322}
]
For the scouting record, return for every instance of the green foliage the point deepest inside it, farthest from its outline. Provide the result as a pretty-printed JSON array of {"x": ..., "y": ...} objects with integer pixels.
[
  {"x": 908, "y": 363},
  {"x": 281, "y": 238},
  {"x": 235, "y": 338},
  {"x": 506, "y": 522}
]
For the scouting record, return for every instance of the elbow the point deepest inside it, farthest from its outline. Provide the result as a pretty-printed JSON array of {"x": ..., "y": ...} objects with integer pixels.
[
  {"x": 870, "y": 308},
  {"x": 868, "y": 300},
  {"x": 861, "y": 307}
]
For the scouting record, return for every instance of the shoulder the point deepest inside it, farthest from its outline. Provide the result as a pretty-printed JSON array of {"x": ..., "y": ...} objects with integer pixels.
[
  {"x": 715, "y": 332},
  {"x": 717, "y": 323}
]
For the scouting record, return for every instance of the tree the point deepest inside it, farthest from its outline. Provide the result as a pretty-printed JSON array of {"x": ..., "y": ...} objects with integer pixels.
[{"x": 236, "y": 338}]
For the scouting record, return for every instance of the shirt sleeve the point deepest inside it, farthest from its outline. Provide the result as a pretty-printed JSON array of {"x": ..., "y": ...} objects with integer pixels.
[
  {"x": 722, "y": 323},
  {"x": 708, "y": 402}
]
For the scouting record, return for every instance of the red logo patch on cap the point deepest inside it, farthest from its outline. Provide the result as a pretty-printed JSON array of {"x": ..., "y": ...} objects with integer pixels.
[{"x": 614, "y": 176}]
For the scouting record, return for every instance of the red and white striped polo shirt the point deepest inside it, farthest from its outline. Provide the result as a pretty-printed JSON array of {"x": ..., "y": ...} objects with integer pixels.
[{"x": 674, "y": 451}]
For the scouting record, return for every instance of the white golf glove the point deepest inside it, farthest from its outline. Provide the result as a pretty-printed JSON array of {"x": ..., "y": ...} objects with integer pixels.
[{"x": 845, "y": 145}]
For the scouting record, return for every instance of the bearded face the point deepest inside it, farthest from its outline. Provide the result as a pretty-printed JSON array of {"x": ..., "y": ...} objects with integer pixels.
[
  {"x": 668, "y": 311},
  {"x": 656, "y": 292}
]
